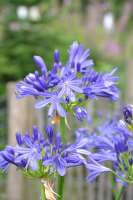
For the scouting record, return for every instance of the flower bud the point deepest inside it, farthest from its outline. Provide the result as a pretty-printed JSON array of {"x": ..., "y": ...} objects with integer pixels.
[
  {"x": 39, "y": 138},
  {"x": 49, "y": 74},
  {"x": 60, "y": 151},
  {"x": 35, "y": 132},
  {"x": 130, "y": 161},
  {"x": 78, "y": 67},
  {"x": 80, "y": 99},
  {"x": 55, "y": 69},
  {"x": 50, "y": 133},
  {"x": 125, "y": 167},
  {"x": 27, "y": 134},
  {"x": 53, "y": 149},
  {"x": 37, "y": 75},
  {"x": 60, "y": 65},
  {"x": 49, "y": 156},
  {"x": 67, "y": 145},
  {"x": 61, "y": 145},
  {"x": 18, "y": 138},
  {"x": 39, "y": 61},
  {"x": 56, "y": 56},
  {"x": 86, "y": 97},
  {"x": 58, "y": 140}
]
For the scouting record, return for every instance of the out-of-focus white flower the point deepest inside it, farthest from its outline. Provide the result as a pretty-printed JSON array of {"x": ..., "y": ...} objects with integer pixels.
[{"x": 22, "y": 12}]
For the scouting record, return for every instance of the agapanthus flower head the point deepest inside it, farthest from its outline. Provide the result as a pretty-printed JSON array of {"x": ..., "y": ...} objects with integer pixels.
[
  {"x": 63, "y": 88},
  {"x": 38, "y": 158}
]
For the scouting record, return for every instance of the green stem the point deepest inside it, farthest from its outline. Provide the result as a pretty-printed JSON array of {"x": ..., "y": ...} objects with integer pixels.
[
  {"x": 61, "y": 178},
  {"x": 112, "y": 181},
  {"x": 120, "y": 192},
  {"x": 42, "y": 188}
]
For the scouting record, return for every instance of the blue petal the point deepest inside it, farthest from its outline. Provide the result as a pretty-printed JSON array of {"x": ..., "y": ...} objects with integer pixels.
[
  {"x": 48, "y": 162},
  {"x": 34, "y": 164},
  {"x": 62, "y": 161},
  {"x": 76, "y": 89},
  {"x": 60, "y": 109},
  {"x": 38, "y": 156},
  {"x": 43, "y": 103},
  {"x": 28, "y": 142},
  {"x": 51, "y": 109},
  {"x": 61, "y": 169}
]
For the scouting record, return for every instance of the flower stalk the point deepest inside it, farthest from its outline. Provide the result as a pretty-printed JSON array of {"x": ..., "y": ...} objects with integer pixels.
[
  {"x": 120, "y": 192},
  {"x": 42, "y": 189}
]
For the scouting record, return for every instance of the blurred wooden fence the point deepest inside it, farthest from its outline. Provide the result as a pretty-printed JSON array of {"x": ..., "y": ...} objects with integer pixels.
[{"x": 21, "y": 117}]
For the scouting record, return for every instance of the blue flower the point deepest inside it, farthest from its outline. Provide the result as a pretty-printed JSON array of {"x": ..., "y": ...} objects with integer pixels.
[
  {"x": 103, "y": 156},
  {"x": 77, "y": 58},
  {"x": 103, "y": 142},
  {"x": 120, "y": 127},
  {"x": 80, "y": 113},
  {"x": 95, "y": 170},
  {"x": 54, "y": 99},
  {"x": 57, "y": 161},
  {"x": 4, "y": 164},
  {"x": 95, "y": 85},
  {"x": 68, "y": 85},
  {"x": 31, "y": 153}
]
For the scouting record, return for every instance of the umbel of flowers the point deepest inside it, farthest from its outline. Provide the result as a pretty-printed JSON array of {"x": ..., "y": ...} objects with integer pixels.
[
  {"x": 64, "y": 89},
  {"x": 69, "y": 88},
  {"x": 113, "y": 142}
]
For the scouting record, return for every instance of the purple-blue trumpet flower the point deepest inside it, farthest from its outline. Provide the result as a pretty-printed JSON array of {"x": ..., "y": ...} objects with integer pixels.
[
  {"x": 68, "y": 85},
  {"x": 31, "y": 153},
  {"x": 103, "y": 156},
  {"x": 54, "y": 99},
  {"x": 57, "y": 161},
  {"x": 102, "y": 142},
  {"x": 120, "y": 127},
  {"x": 95, "y": 170}
]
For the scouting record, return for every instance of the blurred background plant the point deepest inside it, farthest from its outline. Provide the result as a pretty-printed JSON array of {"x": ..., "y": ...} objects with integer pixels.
[{"x": 38, "y": 27}]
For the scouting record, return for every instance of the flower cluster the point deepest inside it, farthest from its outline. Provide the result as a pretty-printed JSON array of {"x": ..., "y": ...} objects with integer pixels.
[
  {"x": 116, "y": 148},
  {"x": 38, "y": 158},
  {"x": 65, "y": 88}
]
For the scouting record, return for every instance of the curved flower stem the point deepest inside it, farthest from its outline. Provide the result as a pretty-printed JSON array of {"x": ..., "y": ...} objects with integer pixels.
[
  {"x": 120, "y": 192},
  {"x": 61, "y": 178},
  {"x": 112, "y": 181},
  {"x": 42, "y": 188}
]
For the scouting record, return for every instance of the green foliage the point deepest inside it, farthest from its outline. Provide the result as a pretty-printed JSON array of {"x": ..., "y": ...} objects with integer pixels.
[{"x": 30, "y": 38}]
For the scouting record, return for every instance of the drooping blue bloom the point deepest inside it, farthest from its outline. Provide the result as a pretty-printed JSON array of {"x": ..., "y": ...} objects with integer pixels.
[
  {"x": 68, "y": 85},
  {"x": 95, "y": 170},
  {"x": 31, "y": 153},
  {"x": 54, "y": 99},
  {"x": 120, "y": 127},
  {"x": 80, "y": 113},
  {"x": 103, "y": 142},
  {"x": 103, "y": 156},
  {"x": 128, "y": 113}
]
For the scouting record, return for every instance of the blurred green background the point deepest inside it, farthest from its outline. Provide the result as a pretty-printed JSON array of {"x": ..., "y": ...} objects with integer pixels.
[{"x": 38, "y": 27}]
